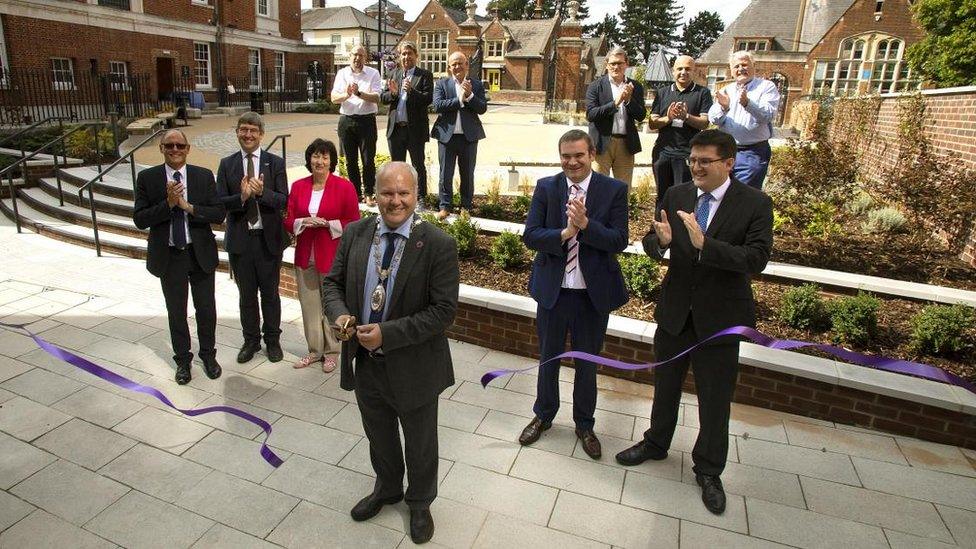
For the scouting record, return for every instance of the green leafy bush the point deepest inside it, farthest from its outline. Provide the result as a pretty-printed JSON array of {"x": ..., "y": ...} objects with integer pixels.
[
  {"x": 508, "y": 251},
  {"x": 780, "y": 221},
  {"x": 803, "y": 307},
  {"x": 321, "y": 106},
  {"x": 633, "y": 206},
  {"x": 641, "y": 274},
  {"x": 80, "y": 144},
  {"x": 431, "y": 218},
  {"x": 465, "y": 232},
  {"x": 520, "y": 206},
  {"x": 343, "y": 169},
  {"x": 432, "y": 201},
  {"x": 884, "y": 220},
  {"x": 494, "y": 193},
  {"x": 855, "y": 318},
  {"x": 943, "y": 329},
  {"x": 490, "y": 210},
  {"x": 861, "y": 203},
  {"x": 822, "y": 223},
  {"x": 106, "y": 142}
]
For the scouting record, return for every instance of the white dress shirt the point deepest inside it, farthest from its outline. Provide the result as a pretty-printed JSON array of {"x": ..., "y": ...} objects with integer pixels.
[
  {"x": 257, "y": 173},
  {"x": 314, "y": 201},
  {"x": 186, "y": 215},
  {"x": 574, "y": 279},
  {"x": 620, "y": 117},
  {"x": 368, "y": 80},
  {"x": 460, "y": 95},
  {"x": 717, "y": 196}
]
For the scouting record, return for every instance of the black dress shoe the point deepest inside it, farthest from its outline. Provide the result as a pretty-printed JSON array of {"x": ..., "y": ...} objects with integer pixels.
[
  {"x": 247, "y": 351},
  {"x": 639, "y": 453},
  {"x": 591, "y": 444},
  {"x": 370, "y": 505},
  {"x": 210, "y": 367},
  {"x": 421, "y": 526},
  {"x": 275, "y": 354},
  {"x": 713, "y": 495},
  {"x": 182, "y": 374},
  {"x": 533, "y": 431}
]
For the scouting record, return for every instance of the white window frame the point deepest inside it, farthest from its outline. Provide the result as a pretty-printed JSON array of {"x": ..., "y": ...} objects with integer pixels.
[
  {"x": 335, "y": 39},
  {"x": 716, "y": 75},
  {"x": 200, "y": 2},
  {"x": 61, "y": 84},
  {"x": 254, "y": 69},
  {"x": 4, "y": 63},
  {"x": 279, "y": 72},
  {"x": 119, "y": 80},
  {"x": 197, "y": 68},
  {"x": 844, "y": 75},
  {"x": 267, "y": 8},
  {"x": 434, "y": 47},
  {"x": 500, "y": 46}
]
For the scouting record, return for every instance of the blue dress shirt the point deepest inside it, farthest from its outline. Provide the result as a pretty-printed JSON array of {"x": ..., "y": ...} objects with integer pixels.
[
  {"x": 372, "y": 277},
  {"x": 752, "y": 123}
]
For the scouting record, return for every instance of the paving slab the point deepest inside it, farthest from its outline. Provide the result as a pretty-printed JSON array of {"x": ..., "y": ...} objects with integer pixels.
[
  {"x": 911, "y": 482},
  {"x": 84, "y": 444},
  {"x": 754, "y": 482},
  {"x": 802, "y": 528},
  {"x": 499, "y": 493},
  {"x": 698, "y": 535},
  {"x": 669, "y": 468},
  {"x": 681, "y": 501},
  {"x": 455, "y": 524},
  {"x": 334, "y": 487},
  {"x": 12, "y": 509},
  {"x": 299, "y": 404},
  {"x": 961, "y": 523},
  {"x": 98, "y": 406},
  {"x": 480, "y": 451},
  {"x": 238, "y": 503},
  {"x": 580, "y": 475},
  {"x": 504, "y": 531},
  {"x": 138, "y": 521},
  {"x": 507, "y": 427},
  {"x": 225, "y": 537},
  {"x": 43, "y": 530},
  {"x": 311, "y": 440},
  {"x": 163, "y": 430},
  {"x": 877, "y": 447},
  {"x": 19, "y": 460},
  {"x": 42, "y": 386},
  {"x": 232, "y": 454},
  {"x": 612, "y": 523},
  {"x": 155, "y": 472},
  {"x": 69, "y": 491},
  {"x": 27, "y": 420},
  {"x": 794, "y": 459},
  {"x": 311, "y": 525},
  {"x": 11, "y": 367},
  {"x": 938, "y": 457}
]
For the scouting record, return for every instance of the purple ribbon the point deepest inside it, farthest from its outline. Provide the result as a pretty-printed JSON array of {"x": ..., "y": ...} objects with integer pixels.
[
  {"x": 115, "y": 379},
  {"x": 906, "y": 367}
]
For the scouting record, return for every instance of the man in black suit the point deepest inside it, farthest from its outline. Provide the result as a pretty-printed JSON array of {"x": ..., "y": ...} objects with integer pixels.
[
  {"x": 577, "y": 225},
  {"x": 614, "y": 106},
  {"x": 409, "y": 92},
  {"x": 177, "y": 202},
  {"x": 458, "y": 100},
  {"x": 720, "y": 233},
  {"x": 251, "y": 184},
  {"x": 401, "y": 277}
]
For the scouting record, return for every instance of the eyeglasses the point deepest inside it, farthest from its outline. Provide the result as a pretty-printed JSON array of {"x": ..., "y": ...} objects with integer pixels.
[
  {"x": 249, "y": 130},
  {"x": 703, "y": 162},
  {"x": 177, "y": 146}
]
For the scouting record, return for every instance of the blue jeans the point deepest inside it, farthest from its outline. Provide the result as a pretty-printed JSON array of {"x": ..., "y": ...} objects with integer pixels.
[{"x": 752, "y": 163}]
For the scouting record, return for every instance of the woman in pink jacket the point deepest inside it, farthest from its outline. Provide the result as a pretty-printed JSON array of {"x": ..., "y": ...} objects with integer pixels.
[{"x": 319, "y": 208}]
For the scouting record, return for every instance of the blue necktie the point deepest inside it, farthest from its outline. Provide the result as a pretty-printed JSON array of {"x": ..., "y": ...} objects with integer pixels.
[
  {"x": 177, "y": 219},
  {"x": 701, "y": 212},
  {"x": 377, "y": 316}
]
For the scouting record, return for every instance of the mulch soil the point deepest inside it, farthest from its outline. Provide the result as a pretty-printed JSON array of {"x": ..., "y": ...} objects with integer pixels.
[{"x": 894, "y": 316}]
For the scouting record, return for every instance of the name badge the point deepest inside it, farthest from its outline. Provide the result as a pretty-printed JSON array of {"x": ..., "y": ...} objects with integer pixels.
[{"x": 678, "y": 123}]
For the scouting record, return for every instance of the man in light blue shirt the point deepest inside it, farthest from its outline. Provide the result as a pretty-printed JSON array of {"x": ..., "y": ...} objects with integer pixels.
[{"x": 745, "y": 109}]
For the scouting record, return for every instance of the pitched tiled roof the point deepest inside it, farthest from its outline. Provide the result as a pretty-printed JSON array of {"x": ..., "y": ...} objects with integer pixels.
[
  {"x": 460, "y": 16},
  {"x": 529, "y": 36},
  {"x": 340, "y": 17},
  {"x": 778, "y": 18},
  {"x": 658, "y": 69},
  {"x": 390, "y": 7}
]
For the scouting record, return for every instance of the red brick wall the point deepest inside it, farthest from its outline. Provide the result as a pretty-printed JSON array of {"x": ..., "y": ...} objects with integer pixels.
[
  {"x": 757, "y": 387},
  {"x": 290, "y": 19},
  {"x": 182, "y": 10},
  {"x": 439, "y": 22}
]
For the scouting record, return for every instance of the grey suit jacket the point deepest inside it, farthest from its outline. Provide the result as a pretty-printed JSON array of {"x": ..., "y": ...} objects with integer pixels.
[{"x": 422, "y": 306}]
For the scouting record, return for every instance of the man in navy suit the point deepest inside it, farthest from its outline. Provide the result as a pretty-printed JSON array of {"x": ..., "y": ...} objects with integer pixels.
[
  {"x": 578, "y": 224},
  {"x": 458, "y": 101},
  {"x": 251, "y": 184}
]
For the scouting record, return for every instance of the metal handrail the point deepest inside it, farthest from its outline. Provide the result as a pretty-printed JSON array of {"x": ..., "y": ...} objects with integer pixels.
[
  {"x": 22, "y": 131},
  {"x": 9, "y": 170},
  {"x": 101, "y": 173},
  {"x": 284, "y": 151}
]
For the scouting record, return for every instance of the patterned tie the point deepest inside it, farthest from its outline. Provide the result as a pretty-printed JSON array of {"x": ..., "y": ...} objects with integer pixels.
[
  {"x": 177, "y": 219},
  {"x": 252, "y": 209},
  {"x": 377, "y": 316},
  {"x": 572, "y": 245},
  {"x": 701, "y": 212}
]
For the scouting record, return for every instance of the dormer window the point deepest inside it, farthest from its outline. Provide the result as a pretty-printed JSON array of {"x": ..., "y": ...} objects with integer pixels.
[
  {"x": 752, "y": 44},
  {"x": 494, "y": 48}
]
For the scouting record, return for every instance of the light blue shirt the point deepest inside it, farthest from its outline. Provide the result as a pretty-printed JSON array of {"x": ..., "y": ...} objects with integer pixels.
[
  {"x": 372, "y": 277},
  {"x": 752, "y": 123},
  {"x": 402, "y": 103}
]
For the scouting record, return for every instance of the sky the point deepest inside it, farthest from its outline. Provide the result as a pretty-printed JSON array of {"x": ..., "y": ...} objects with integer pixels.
[{"x": 727, "y": 9}]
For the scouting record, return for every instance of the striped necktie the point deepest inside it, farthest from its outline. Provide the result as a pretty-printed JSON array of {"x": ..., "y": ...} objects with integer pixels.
[{"x": 572, "y": 245}]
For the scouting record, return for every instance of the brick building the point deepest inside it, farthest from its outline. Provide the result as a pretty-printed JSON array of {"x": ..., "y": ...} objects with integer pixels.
[
  {"x": 345, "y": 27},
  {"x": 195, "y": 45},
  {"x": 832, "y": 47},
  {"x": 518, "y": 53}
]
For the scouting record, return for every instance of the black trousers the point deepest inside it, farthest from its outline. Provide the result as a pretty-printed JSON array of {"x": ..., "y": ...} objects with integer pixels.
[
  {"x": 183, "y": 276},
  {"x": 716, "y": 369},
  {"x": 668, "y": 172},
  {"x": 400, "y": 143},
  {"x": 381, "y": 414},
  {"x": 357, "y": 132},
  {"x": 574, "y": 314},
  {"x": 258, "y": 270},
  {"x": 464, "y": 153}
]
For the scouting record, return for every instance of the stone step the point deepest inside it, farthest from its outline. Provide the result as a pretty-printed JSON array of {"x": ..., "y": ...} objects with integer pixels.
[
  {"x": 117, "y": 183},
  {"x": 103, "y": 203}
]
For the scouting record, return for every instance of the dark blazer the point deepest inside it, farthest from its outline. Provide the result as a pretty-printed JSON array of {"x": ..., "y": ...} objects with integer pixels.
[
  {"x": 715, "y": 286},
  {"x": 418, "y": 357},
  {"x": 447, "y": 104},
  {"x": 600, "y": 111},
  {"x": 604, "y": 237},
  {"x": 271, "y": 204},
  {"x": 418, "y": 99},
  {"x": 152, "y": 212}
]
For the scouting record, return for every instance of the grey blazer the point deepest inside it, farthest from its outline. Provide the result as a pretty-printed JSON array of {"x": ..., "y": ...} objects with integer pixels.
[{"x": 423, "y": 304}]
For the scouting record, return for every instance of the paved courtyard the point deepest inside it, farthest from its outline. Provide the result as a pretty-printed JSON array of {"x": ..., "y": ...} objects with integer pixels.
[{"x": 85, "y": 464}]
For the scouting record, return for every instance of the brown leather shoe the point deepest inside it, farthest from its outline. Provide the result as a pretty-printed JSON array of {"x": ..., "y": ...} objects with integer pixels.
[
  {"x": 533, "y": 431},
  {"x": 591, "y": 444}
]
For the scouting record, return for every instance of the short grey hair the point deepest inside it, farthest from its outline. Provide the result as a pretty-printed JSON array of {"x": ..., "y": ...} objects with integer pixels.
[
  {"x": 381, "y": 173},
  {"x": 615, "y": 51},
  {"x": 741, "y": 54},
  {"x": 174, "y": 130},
  {"x": 251, "y": 118},
  {"x": 407, "y": 44}
]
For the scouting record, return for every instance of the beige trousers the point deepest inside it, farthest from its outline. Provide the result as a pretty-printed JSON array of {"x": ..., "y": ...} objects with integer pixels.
[
  {"x": 616, "y": 157},
  {"x": 318, "y": 333}
]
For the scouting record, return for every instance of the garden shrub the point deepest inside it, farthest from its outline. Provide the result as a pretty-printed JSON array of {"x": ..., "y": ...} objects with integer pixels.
[
  {"x": 803, "y": 307},
  {"x": 431, "y": 217},
  {"x": 780, "y": 221},
  {"x": 494, "y": 193},
  {"x": 633, "y": 206},
  {"x": 465, "y": 232},
  {"x": 80, "y": 144},
  {"x": 822, "y": 221},
  {"x": 884, "y": 220},
  {"x": 860, "y": 204},
  {"x": 854, "y": 319},
  {"x": 508, "y": 251},
  {"x": 106, "y": 142},
  {"x": 641, "y": 274},
  {"x": 645, "y": 188},
  {"x": 490, "y": 210},
  {"x": 520, "y": 206},
  {"x": 343, "y": 170},
  {"x": 321, "y": 106},
  {"x": 943, "y": 329}
]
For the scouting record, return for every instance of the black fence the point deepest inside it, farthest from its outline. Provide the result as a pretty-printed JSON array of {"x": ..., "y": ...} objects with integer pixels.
[{"x": 270, "y": 90}]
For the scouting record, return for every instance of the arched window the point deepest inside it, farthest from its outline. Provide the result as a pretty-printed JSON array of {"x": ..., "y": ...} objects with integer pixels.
[
  {"x": 874, "y": 60},
  {"x": 891, "y": 73}
]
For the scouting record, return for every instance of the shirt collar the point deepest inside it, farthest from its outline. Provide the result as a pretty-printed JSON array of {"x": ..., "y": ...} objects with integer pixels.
[
  {"x": 257, "y": 153},
  {"x": 718, "y": 193},
  {"x": 170, "y": 171},
  {"x": 584, "y": 184},
  {"x": 686, "y": 90},
  {"x": 403, "y": 230}
]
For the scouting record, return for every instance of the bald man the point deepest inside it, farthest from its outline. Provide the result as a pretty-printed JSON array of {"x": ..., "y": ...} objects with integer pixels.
[
  {"x": 678, "y": 113},
  {"x": 357, "y": 91}
]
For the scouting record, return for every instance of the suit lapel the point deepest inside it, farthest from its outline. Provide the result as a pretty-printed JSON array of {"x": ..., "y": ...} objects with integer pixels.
[
  {"x": 359, "y": 258},
  {"x": 562, "y": 193},
  {"x": 412, "y": 251},
  {"x": 725, "y": 209}
]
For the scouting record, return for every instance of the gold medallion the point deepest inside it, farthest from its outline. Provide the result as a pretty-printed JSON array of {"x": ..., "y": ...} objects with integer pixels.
[{"x": 378, "y": 298}]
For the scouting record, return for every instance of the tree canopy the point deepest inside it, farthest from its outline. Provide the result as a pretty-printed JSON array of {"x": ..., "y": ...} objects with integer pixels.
[
  {"x": 649, "y": 25},
  {"x": 608, "y": 27},
  {"x": 700, "y": 32},
  {"x": 947, "y": 54}
]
